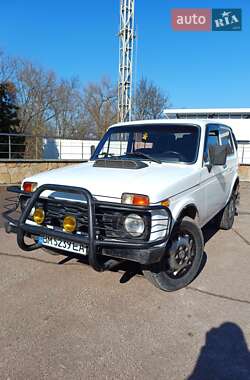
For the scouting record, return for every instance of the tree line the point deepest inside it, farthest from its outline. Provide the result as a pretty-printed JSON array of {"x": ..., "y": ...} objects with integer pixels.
[{"x": 36, "y": 101}]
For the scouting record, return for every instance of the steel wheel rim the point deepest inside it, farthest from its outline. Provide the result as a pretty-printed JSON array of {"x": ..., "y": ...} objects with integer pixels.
[{"x": 181, "y": 255}]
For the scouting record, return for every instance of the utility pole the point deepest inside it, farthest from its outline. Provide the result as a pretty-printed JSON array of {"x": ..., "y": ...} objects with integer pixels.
[{"x": 126, "y": 50}]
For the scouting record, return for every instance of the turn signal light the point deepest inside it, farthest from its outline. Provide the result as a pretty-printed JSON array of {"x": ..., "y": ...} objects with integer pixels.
[
  {"x": 39, "y": 216},
  {"x": 29, "y": 187},
  {"x": 69, "y": 223},
  {"x": 165, "y": 203},
  {"x": 135, "y": 199}
]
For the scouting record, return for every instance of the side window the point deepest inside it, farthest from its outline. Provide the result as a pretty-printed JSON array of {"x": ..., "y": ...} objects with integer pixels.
[
  {"x": 226, "y": 139},
  {"x": 212, "y": 138}
]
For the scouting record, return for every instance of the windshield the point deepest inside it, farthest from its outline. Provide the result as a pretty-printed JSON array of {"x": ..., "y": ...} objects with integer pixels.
[{"x": 156, "y": 142}]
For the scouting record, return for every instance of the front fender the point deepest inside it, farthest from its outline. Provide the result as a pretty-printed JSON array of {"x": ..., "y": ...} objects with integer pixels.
[{"x": 178, "y": 206}]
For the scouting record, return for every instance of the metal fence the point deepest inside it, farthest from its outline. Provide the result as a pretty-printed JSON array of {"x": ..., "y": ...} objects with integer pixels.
[{"x": 27, "y": 147}]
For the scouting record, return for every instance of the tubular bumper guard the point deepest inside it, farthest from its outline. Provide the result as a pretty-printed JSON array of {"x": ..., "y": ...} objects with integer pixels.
[{"x": 134, "y": 250}]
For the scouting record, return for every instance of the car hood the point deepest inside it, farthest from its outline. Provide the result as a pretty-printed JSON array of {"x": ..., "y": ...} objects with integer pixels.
[{"x": 158, "y": 181}]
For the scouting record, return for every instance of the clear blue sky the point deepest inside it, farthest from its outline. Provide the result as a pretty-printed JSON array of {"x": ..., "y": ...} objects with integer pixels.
[{"x": 80, "y": 38}]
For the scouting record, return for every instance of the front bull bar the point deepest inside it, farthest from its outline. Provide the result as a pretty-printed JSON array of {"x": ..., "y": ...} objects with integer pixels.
[{"x": 23, "y": 227}]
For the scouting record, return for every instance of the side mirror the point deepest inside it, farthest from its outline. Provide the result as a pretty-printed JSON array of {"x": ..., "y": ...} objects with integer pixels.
[
  {"x": 217, "y": 155},
  {"x": 92, "y": 150}
]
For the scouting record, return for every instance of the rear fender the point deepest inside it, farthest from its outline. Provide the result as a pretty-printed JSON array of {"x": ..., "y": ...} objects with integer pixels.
[{"x": 234, "y": 187}]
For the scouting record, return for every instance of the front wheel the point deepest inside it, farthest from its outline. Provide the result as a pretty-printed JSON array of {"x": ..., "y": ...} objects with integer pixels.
[{"x": 182, "y": 260}]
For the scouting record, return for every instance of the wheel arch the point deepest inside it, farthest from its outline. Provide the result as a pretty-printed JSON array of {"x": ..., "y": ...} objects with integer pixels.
[
  {"x": 190, "y": 210},
  {"x": 236, "y": 183},
  {"x": 234, "y": 186}
]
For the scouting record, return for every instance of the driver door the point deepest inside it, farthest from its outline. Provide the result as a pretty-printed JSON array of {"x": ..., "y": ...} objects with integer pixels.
[{"x": 212, "y": 178}]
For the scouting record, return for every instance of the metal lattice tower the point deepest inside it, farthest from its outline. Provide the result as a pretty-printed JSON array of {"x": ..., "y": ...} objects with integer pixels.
[{"x": 127, "y": 36}]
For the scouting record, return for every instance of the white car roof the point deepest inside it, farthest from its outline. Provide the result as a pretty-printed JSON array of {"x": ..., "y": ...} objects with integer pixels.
[{"x": 201, "y": 122}]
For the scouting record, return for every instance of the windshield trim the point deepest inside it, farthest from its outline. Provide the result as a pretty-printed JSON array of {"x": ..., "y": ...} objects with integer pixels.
[{"x": 128, "y": 126}]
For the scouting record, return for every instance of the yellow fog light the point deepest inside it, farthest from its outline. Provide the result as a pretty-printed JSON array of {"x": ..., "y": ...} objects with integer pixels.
[
  {"x": 69, "y": 223},
  {"x": 39, "y": 215}
]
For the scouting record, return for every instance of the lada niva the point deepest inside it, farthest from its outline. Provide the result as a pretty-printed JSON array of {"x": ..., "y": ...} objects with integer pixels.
[{"x": 144, "y": 196}]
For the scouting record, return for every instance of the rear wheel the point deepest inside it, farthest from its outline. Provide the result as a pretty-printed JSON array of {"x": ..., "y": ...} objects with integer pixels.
[
  {"x": 225, "y": 218},
  {"x": 182, "y": 260}
]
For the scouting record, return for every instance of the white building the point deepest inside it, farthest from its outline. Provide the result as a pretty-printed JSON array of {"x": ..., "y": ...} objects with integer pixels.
[{"x": 237, "y": 118}]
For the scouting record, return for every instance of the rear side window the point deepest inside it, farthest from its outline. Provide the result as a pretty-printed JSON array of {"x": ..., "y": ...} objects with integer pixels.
[
  {"x": 235, "y": 141},
  {"x": 226, "y": 139},
  {"x": 211, "y": 139}
]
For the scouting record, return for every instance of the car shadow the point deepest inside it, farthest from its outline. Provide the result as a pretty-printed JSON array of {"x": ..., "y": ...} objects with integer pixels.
[
  {"x": 225, "y": 355},
  {"x": 133, "y": 269},
  {"x": 129, "y": 270}
]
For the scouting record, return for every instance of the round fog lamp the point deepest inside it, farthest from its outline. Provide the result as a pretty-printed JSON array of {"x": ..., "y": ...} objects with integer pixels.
[
  {"x": 38, "y": 216},
  {"x": 69, "y": 223},
  {"x": 134, "y": 225}
]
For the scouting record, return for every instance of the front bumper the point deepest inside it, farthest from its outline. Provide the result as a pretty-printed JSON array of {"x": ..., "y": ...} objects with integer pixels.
[{"x": 143, "y": 252}]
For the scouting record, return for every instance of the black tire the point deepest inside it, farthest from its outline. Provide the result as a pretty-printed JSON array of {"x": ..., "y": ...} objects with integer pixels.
[
  {"x": 225, "y": 219},
  {"x": 160, "y": 274}
]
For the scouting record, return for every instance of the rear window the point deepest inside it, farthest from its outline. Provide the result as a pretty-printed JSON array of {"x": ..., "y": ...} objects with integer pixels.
[{"x": 226, "y": 139}]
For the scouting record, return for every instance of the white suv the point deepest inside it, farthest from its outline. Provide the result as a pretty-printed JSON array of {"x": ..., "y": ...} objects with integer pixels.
[{"x": 144, "y": 196}]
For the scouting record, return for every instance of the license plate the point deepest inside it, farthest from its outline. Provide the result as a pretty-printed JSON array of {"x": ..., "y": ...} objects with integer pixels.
[{"x": 65, "y": 245}]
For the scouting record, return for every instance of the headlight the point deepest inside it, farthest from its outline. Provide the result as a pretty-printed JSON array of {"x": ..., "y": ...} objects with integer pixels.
[{"x": 134, "y": 225}]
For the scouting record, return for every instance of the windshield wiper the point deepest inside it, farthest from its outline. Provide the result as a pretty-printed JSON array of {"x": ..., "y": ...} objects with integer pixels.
[{"x": 147, "y": 156}]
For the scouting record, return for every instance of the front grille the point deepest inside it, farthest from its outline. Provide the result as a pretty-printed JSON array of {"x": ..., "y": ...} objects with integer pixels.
[
  {"x": 56, "y": 211},
  {"x": 108, "y": 222}
]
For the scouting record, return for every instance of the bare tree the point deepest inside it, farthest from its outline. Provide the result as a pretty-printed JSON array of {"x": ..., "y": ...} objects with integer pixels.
[
  {"x": 35, "y": 94},
  {"x": 7, "y": 68},
  {"x": 100, "y": 103},
  {"x": 150, "y": 101},
  {"x": 46, "y": 104},
  {"x": 70, "y": 120}
]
